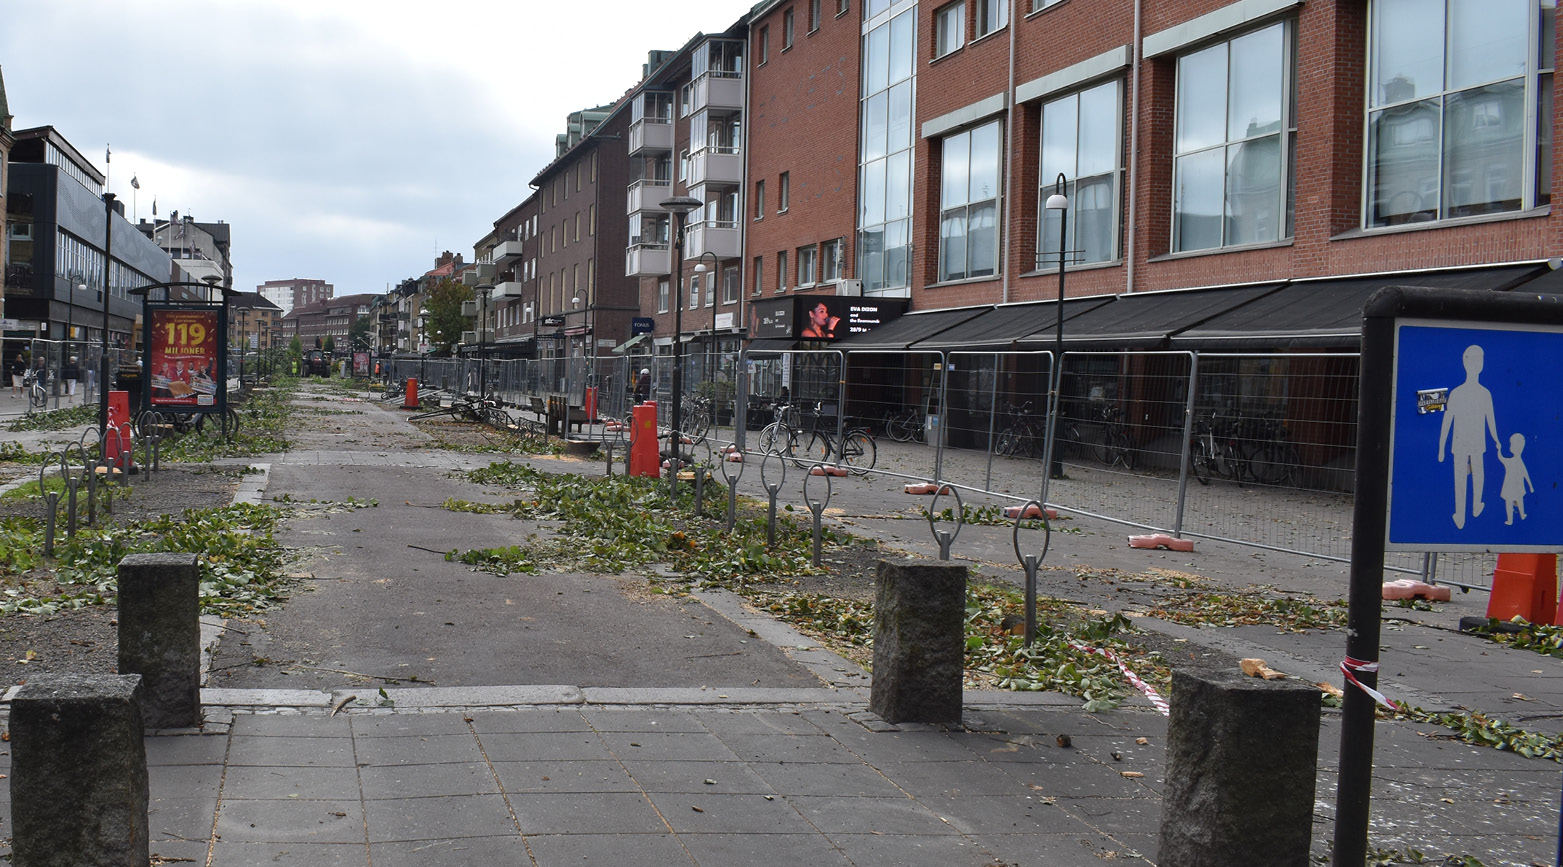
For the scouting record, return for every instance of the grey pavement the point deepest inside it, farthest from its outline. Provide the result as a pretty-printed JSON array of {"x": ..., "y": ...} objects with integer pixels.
[{"x": 569, "y": 763}]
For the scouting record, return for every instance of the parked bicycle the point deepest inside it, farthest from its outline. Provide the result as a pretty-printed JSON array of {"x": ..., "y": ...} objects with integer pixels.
[
  {"x": 37, "y": 389},
  {"x": 905, "y": 425},
  {"x": 1024, "y": 434},
  {"x": 1115, "y": 446},
  {"x": 1214, "y": 450},
  {"x": 812, "y": 443},
  {"x": 1269, "y": 455},
  {"x": 696, "y": 419}
]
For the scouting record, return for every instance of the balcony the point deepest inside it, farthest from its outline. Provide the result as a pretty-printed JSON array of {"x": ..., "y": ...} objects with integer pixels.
[
  {"x": 482, "y": 272},
  {"x": 717, "y": 90},
  {"x": 648, "y": 260},
  {"x": 506, "y": 252},
  {"x": 647, "y": 194},
  {"x": 721, "y": 237},
  {"x": 507, "y": 289},
  {"x": 651, "y": 134},
  {"x": 715, "y": 165}
]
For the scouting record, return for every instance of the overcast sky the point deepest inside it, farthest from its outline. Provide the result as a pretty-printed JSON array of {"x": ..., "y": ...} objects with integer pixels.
[{"x": 345, "y": 140}]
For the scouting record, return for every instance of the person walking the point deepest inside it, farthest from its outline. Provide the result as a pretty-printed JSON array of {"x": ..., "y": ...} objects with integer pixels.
[
  {"x": 643, "y": 386},
  {"x": 16, "y": 367}
]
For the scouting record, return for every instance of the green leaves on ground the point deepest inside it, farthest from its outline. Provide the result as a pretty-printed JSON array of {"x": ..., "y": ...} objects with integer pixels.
[
  {"x": 241, "y": 562},
  {"x": 1520, "y": 635},
  {"x": 1482, "y": 730},
  {"x": 57, "y": 420}
]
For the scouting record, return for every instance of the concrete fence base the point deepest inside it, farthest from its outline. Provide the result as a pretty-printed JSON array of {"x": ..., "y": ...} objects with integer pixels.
[
  {"x": 160, "y": 635},
  {"x": 78, "y": 773},
  {"x": 919, "y": 641}
]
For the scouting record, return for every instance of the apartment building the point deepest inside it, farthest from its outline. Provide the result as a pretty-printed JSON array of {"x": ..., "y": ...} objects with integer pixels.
[{"x": 297, "y": 292}]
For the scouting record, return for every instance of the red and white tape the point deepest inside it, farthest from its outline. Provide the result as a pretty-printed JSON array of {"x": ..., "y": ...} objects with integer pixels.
[
  {"x": 1350, "y": 667},
  {"x": 1129, "y": 675}
]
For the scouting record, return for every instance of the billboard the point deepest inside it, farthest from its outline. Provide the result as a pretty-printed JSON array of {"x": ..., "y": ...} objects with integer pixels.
[
  {"x": 821, "y": 317},
  {"x": 182, "y": 357}
]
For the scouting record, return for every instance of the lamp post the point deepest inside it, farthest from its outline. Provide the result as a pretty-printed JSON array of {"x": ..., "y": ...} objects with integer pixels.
[
  {"x": 103, "y": 370},
  {"x": 1060, "y": 203},
  {"x": 482, "y": 289},
  {"x": 710, "y": 288},
  {"x": 679, "y": 207}
]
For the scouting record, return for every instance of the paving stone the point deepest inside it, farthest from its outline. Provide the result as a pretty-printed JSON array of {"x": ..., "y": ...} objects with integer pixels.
[
  {"x": 438, "y": 818},
  {"x": 233, "y": 853},
  {"x": 382, "y": 751},
  {"x": 291, "y": 821},
  {"x": 619, "y": 850},
  {"x": 693, "y": 777},
  {"x": 422, "y": 781},
  {"x": 691, "y": 746},
  {"x": 291, "y": 752},
  {"x": 507, "y": 851},
  {"x": 586, "y": 813}
]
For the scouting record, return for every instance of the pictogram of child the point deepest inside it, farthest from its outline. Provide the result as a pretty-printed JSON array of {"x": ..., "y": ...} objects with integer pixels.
[{"x": 1515, "y": 479}]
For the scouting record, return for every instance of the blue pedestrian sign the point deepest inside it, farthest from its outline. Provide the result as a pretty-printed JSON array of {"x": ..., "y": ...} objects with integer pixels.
[{"x": 1476, "y": 437}]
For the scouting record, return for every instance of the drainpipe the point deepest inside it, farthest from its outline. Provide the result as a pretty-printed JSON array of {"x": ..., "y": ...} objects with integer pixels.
[
  {"x": 1134, "y": 150},
  {"x": 1009, "y": 151}
]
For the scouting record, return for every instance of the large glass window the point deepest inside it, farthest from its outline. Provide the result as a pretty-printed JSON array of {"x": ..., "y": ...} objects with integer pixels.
[
  {"x": 1450, "y": 82},
  {"x": 949, "y": 28},
  {"x": 662, "y": 295},
  {"x": 991, "y": 15},
  {"x": 830, "y": 260},
  {"x": 1081, "y": 136},
  {"x": 1232, "y": 173},
  {"x": 969, "y": 204},
  {"x": 806, "y": 272},
  {"x": 885, "y": 162}
]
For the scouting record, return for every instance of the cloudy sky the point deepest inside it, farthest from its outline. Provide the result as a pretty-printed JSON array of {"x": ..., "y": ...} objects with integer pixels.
[{"x": 345, "y": 140}]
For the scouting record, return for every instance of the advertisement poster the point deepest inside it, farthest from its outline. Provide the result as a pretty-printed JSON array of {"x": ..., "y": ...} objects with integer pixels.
[
  {"x": 360, "y": 364},
  {"x": 821, "y": 317},
  {"x": 182, "y": 358}
]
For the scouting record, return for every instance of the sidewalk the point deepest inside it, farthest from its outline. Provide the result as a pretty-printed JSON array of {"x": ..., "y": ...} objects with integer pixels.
[{"x": 707, "y": 773}]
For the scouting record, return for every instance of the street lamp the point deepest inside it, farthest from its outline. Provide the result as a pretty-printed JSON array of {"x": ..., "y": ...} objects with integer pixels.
[
  {"x": 710, "y": 289},
  {"x": 103, "y": 370},
  {"x": 679, "y": 207},
  {"x": 482, "y": 289},
  {"x": 1060, "y": 203}
]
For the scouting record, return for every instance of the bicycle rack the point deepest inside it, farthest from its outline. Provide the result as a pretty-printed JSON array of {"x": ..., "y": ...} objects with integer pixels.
[
  {"x": 701, "y": 468},
  {"x": 1031, "y": 562},
  {"x": 772, "y": 491},
  {"x": 815, "y": 506},
  {"x": 90, "y": 472},
  {"x": 51, "y": 500},
  {"x": 73, "y": 482},
  {"x": 732, "y": 489},
  {"x": 945, "y": 538}
]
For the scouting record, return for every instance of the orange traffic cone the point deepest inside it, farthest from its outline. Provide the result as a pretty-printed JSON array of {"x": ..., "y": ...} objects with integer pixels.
[
  {"x": 410, "y": 399},
  {"x": 1524, "y": 585}
]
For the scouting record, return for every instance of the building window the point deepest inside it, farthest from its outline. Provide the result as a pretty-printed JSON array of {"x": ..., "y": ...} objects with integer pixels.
[
  {"x": 694, "y": 291},
  {"x": 1080, "y": 140},
  {"x": 783, "y": 192},
  {"x": 991, "y": 15},
  {"x": 885, "y": 153},
  {"x": 969, "y": 204},
  {"x": 764, "y": 48},
  {"x": 842, "y": 6},
  {"x": 813, "y": 15},
  {"x": 662, "y": 296},
  {"x": 1039, "y": 5},
  {"x": 577, "y": 226},
  {"x": 949, "y": 28},
  {"x": 806, "y": 273},
  {"x": 759, "y": 200},
  {"x": 1449, "y": 87},
  {"x": 781, "y": 271},
  {"x": 683, "y": 164},
  {"x": 591, "y": 219},
  {"x": 787, "y": 30},
  {"x": 830, "y": 260},
  {"x": 730, "y": 284},
  {"x": 1232, "y": 169},
  {"x": 710, "y": 278},
  {"x": 759, "y": 275}
]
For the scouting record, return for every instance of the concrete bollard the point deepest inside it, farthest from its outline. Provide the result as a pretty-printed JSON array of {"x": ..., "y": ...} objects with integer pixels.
[
  {"x": 919, "y": 645},
  {"x": 160, "y": 635},
  {"x": 78, "y": 772},
  {"x": 1241, "y": 757}
]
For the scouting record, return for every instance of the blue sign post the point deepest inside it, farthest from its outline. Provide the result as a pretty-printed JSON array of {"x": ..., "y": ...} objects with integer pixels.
[
  {"x": 1459, "y": 448},
  {"x": 1476, "y": 445}
]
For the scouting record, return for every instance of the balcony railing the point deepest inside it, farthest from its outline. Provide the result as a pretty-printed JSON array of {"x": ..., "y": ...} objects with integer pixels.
[
  {"x": 716, "y": 165},
  {"x": 648, "y": 260},
  {"x": 721, "y": 237},
  {"x": 647, "y": 194},
  {"x": 651, "y": 134},
  {"x": 717, "y": 90},
  {"x": 506, "y": 252},
  {"x": 507, "y": 289}
]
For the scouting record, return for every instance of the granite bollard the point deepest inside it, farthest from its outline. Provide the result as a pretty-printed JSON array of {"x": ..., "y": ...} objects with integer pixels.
[
  {"x": 79, "y": 791},
  {"x": 1241, "y": 765},
  {"x": 919, "y": 641},
  {"x": 160, "y": 635}
]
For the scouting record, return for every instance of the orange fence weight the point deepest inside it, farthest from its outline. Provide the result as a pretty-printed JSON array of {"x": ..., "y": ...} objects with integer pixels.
[{"x": 1524, "y": 585}]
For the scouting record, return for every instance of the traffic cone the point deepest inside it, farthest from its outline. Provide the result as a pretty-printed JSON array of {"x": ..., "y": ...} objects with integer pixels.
[
  {"x": 410, "y": 399},
  {"x": 1524, "y": 585}
]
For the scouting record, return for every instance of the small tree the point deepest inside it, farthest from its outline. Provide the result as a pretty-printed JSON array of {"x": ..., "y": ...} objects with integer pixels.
[
  {"x": 443, "y": 324},
  {"x": 358, "y": 334},
  {"x": 330, "y": 345}
]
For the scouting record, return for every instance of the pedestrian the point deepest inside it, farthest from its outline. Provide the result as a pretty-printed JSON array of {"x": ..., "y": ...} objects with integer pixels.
[
  {"x": 643, "y": 386},
  {"x": 71, "y": 375},
  {"x": 16, "y": 367}
]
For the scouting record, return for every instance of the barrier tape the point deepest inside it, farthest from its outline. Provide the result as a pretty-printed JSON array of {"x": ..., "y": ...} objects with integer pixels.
[
  {"x": 1350, "y": 667},
  {"x": 1134, "y": 679}
]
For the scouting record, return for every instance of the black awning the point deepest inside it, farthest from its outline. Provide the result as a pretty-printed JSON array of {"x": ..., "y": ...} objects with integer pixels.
[
  {"x": 1541, "y": 281},
  {"x": 900, "y": 334},
  {"x": 1000, "y": 328},
  {"x": 1143, "y": 320},
  {"x": 770, "y": 344},
  {"x": 1323, "y": 313}
]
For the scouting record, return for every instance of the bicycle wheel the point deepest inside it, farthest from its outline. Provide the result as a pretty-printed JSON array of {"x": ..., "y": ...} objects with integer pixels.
[
  {"x": 36, "y": 397},
  {"x": 899, "y": 427},
  {"x": 1005, "y": 445},
  {"x": 1199, "y": 462},
  {"x": 808, "y": 449},
  {"x": 859, "y": 452},
  {"x": 698, "y": 423},
  {"x": 1102, "y": 449},
  {"x": 1123, "y": 450},
  {"x": 772, "y": 439}
]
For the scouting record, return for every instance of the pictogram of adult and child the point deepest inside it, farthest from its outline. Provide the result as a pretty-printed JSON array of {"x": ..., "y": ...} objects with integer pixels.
[{"x": 1468, "y": 421}]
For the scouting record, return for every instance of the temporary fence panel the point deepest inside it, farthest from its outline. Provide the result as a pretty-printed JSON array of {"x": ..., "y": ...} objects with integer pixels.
[{"x": 900, "y": 398}]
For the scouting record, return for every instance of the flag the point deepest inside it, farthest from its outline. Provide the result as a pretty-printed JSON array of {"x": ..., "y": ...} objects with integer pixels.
[
  {"x": 107, "y": 152},
  {"x": 154, "y": 206},
  {"x": 134, "y": 184}
]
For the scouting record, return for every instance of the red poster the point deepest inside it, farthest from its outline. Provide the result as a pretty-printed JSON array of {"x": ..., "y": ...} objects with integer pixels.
[{"x": 183, "y": 355}]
